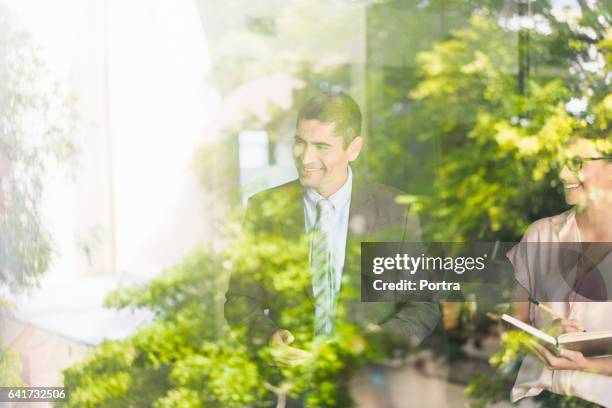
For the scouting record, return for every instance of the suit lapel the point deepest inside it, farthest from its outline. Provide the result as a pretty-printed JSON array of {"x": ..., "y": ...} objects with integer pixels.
[
  {"x": 362, "y": 214},
  {"x": 291, "y": 220}
]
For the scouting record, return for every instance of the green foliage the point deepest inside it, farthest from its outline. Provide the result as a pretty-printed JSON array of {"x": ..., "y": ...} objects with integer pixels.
[
  {"x": 230, "y": 377},
  {"x": 185, "y": 357},
  {"x": 179, "y": 359},
  {"x": 479, "y": 155},
  {"x": 496, "y": 169},
  {"x": 178, "y": 294},
  {"x": 10, "y": 367}
]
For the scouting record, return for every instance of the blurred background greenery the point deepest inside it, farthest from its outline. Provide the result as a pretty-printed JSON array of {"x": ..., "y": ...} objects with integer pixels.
[{"x": 34, "y": 138}]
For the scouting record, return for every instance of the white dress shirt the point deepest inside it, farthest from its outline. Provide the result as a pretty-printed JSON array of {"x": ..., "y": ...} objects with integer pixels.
[{"x": 341, "y": 202}]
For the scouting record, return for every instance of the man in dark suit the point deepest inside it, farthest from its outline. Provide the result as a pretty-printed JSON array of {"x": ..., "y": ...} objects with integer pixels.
[{"x": 331, "y": 210}]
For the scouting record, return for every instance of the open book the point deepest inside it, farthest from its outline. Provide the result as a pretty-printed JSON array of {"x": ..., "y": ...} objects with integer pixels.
[{"x": 589, "y": 343}]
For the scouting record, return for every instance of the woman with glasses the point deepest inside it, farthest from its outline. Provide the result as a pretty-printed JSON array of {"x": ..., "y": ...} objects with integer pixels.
[{"x": 587, "y": 181}]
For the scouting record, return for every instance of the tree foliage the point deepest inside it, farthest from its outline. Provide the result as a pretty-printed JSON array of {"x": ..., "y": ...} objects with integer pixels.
[
  {"x": 34, "y": 127},
  {"x": 187, "y": 357},
  {"x": 501, "y": 148}
]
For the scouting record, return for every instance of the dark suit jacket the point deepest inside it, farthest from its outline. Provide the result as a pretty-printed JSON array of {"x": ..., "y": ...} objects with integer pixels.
[{"x": 374, "y": 216}]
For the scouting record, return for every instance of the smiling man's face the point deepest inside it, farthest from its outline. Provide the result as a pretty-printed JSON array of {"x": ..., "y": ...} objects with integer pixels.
[{"x": 320, "y": 157}]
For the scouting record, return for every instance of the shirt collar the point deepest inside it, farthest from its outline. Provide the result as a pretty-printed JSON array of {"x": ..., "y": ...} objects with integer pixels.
[
  {"x": 339, "y": 199},
  {"x": 566, "y": 226}
]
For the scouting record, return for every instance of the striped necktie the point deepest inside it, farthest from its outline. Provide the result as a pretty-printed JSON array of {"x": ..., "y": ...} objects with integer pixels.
[{"x": 323, "y": 281}]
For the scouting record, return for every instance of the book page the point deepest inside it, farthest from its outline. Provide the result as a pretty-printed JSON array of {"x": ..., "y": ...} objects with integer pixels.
[
  {"x": 529, "y": 329},
  {"x": 583, "y": 336}
]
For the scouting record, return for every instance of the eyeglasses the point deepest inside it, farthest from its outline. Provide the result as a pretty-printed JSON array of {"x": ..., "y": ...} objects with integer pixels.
[{"x": 575, "y": 163}]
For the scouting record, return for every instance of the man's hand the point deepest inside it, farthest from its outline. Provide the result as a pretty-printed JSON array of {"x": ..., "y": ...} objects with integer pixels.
[
  {"x": 282, "y": 337},
  {"x": 285, "y": 355}
]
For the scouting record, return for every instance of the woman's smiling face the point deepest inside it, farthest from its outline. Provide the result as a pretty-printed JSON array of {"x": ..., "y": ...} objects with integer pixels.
[{"x": 585, "y": 181}]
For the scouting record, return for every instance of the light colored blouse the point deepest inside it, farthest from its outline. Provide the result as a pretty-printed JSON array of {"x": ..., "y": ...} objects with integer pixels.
[{"x": 534, "y": 376}]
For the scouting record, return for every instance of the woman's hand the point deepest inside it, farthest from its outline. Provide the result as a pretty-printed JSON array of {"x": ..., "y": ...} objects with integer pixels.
[
  {"x": 567, "y": 359},
  {"x": 559, "y": 326}
]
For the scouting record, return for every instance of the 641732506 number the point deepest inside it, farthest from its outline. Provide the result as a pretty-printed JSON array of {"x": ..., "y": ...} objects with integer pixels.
[{"x": 32, "y": 394}]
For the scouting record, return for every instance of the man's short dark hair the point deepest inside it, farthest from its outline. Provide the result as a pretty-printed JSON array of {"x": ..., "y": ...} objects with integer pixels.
[{"x": 334, "y": 107}]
